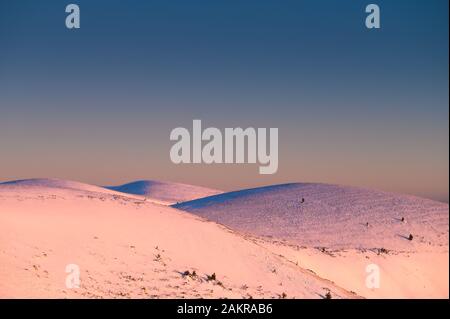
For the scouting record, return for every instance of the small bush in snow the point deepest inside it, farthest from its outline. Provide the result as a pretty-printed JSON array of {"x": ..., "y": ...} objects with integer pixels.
[{"x": 212, "y": 277}]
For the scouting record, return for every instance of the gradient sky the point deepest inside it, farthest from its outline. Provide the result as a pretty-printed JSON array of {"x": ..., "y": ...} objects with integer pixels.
[{"x": 353, "y": 106}]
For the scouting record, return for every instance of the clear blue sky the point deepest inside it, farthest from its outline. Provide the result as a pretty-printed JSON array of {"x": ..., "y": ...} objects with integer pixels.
[{"x": 354, "y": 106}]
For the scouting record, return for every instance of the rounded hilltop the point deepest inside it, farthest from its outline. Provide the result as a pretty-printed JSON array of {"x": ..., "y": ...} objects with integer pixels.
[{"x": 325, "y": 215}]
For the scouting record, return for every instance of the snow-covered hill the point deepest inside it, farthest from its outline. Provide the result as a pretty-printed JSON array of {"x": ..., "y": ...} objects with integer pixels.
[
  {"x": 167, "y": 192},
  {"x": 128, "y": 247},
  {"x": 50, "y": 184},
  {"x": 338, "y": 231},
  {"x": 330, "y": 216}
]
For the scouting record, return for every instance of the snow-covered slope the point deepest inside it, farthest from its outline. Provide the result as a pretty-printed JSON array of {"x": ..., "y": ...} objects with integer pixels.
[
  {"x": 158, "y": 192},
  {"x": 330, "y": 216},
  {"x": 125, "y": 247},
  {"x": 165, "y": 191},
  {"x": 345, "y": 234}
]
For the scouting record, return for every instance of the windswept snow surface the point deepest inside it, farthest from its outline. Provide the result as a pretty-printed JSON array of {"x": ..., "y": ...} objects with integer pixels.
[{"x": 332, "y": 216}]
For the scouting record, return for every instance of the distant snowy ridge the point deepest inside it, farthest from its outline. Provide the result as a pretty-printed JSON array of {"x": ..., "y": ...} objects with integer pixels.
[
  {"x": 165, "y": 191},
  {"x": 160, "y": 192},
  {"x": 45, "y": 183}
]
